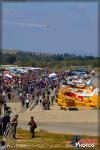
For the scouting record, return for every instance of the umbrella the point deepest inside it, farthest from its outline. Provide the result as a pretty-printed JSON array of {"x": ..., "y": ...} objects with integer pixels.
[
  {"x": 52, "y": 75},
  {"x": 7, "y": 76}
]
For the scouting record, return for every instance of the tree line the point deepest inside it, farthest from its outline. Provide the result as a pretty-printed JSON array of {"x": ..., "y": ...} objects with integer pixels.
[{"x": 55, "y": 61}]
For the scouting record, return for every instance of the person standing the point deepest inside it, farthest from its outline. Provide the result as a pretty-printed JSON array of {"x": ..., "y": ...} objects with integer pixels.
[
  {"x": 0, "y": 126},
  {"x": 4, "y": 97},
  {"x": 27, "y": 103},
  {"x": 14, "y": 123},
  {"x": 22, "y": 103},
  {"x": 36, "y": 100},
  {"x": 9, "y": 93},
  {"x": 33, "y": 126},
  {"x": 5, "y": 121}
]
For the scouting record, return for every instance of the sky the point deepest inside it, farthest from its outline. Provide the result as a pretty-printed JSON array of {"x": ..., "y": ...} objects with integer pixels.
[{"x": 73, "y": 27}]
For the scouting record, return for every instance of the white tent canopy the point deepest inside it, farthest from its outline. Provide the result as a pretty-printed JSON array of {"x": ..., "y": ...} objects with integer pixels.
[
  {"x": 52, "y": 75},
  {"x": 7, "y": 76}
]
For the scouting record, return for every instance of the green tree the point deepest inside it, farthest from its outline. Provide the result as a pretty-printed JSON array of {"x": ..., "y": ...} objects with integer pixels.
[{"x": 11, "y": 59}]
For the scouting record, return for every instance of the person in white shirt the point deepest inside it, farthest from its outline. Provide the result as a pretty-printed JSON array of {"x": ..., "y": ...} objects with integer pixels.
[{"x": 27, "y": 103}]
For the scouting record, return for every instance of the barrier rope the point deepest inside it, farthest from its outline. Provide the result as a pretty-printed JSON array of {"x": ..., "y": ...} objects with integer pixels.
[{"x": 8, "y": 137}]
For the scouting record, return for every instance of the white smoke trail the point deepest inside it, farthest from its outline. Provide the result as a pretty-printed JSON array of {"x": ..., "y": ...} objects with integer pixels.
[{"x": 25, "y": 24}]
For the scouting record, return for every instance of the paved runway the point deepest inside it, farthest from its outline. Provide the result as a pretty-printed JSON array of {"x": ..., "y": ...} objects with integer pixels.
[
  {"x": 67, "y": 128},
  {"x": 82, "y": 122}
]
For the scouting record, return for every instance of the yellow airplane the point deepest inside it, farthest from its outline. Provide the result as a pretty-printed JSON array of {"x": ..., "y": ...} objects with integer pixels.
[{"x": 68, "y": 97}]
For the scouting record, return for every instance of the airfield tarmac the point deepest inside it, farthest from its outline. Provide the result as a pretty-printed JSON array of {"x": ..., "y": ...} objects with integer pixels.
[{"x": 82, "y": 122}]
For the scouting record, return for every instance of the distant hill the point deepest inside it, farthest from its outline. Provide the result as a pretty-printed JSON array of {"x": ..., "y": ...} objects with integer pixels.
[
  {"x": 8, "y": 51},
  {"x": 14, "y": 51}
]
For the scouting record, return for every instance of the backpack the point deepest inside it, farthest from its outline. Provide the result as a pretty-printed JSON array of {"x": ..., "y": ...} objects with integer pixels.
[{"x": 34, "y": 125}]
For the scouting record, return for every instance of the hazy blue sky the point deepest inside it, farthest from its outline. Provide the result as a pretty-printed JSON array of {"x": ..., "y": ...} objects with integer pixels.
[{"x": 72, "y": 27}]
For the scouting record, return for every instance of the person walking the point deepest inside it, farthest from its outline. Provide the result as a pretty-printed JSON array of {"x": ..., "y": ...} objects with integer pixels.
[{"x": 33, "y": 126}]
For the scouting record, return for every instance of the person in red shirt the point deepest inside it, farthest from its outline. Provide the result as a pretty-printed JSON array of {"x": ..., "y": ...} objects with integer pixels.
[{"x": 33, "y": 126}]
